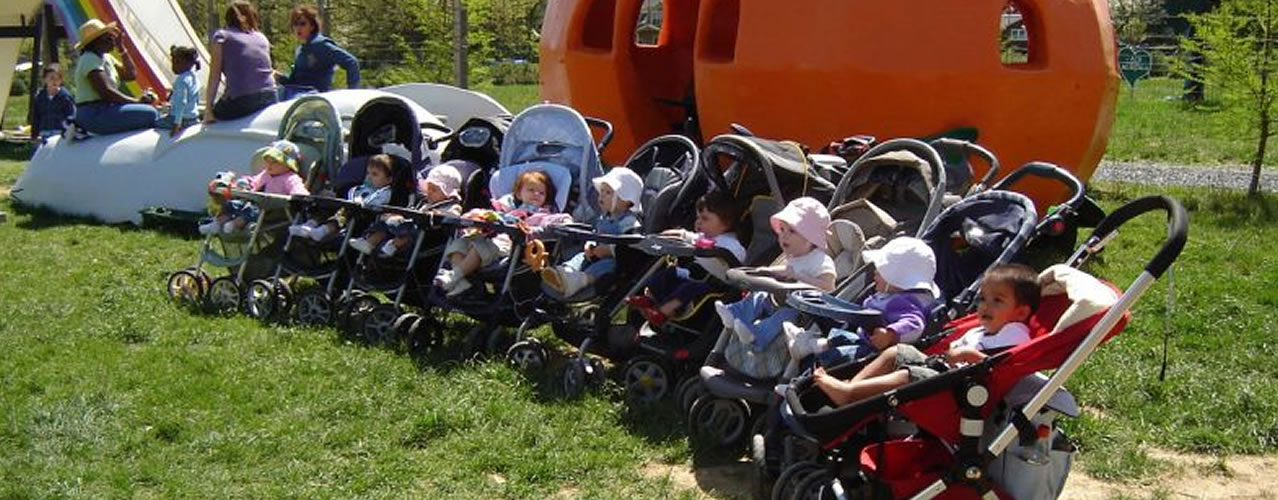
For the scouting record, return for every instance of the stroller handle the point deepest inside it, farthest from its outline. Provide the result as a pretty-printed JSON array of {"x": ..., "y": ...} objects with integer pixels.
[
  {"x": 1177, "y": 228},
  {"x": 967, "y": 148},
  {"x": 1048, "y": 171},
  {"x": 607, "y": 128}
]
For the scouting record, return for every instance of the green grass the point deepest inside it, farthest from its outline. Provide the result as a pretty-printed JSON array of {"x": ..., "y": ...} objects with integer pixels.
[
  {"x": 515, "y": 97},
  {"x": 15, "y": 112},
  {"x": 1153, "y": 125}
]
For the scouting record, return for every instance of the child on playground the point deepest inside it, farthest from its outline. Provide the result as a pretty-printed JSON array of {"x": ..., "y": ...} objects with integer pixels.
[
  {"x": 801, "y": 233},
  {"x": 903, "y": 293},
  {"x": 1009, "y": 296},
  {"x": 54, "y": 105},
  {"x": 376, "y": 190},
  {"x": 278, "y": 175},
  {"x": 392, "y": 232},
  {"x": 619, "y": 191},
  {"x": 186, "y": 91},
  {"x": 533, "y": 194},
  {"x": 675, "y": 287}
]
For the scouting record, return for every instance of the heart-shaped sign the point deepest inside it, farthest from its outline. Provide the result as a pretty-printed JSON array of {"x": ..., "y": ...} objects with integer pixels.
[{"x": 1134, "y": 63}]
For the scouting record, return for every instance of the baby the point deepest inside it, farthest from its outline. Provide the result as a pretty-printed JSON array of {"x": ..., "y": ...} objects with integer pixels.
[
  {"x": 1009, "y": 296},
  {"x": 619, "y": 203},
  {"x": 904, "y": 294},
  {"x": 533, "y": 194},
  {"x": 440, "y": 186},
  {"x": 278, "y": 175},
  {"x": 376, "y": 190},
  {"x": 800, "y": 228},
  {"x": 674, "y": 287}
]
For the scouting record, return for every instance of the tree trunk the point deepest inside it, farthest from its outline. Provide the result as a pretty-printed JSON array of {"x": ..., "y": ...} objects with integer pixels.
[
  {"x": 1254, "y": 187},
  {"x": 459, "y": 44}
]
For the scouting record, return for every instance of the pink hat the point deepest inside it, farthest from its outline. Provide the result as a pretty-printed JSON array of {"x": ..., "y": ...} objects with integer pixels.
[
  {"x": 808, "y": 217},
  {"x": 446, "y": 177}
]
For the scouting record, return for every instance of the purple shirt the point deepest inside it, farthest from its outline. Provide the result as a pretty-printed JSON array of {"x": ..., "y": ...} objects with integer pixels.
[
  {"x": 904, "y": 313},
  {"x": 246, "y": 61}
]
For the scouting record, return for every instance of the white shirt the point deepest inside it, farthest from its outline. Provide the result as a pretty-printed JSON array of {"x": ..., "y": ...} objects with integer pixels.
[
  {"x": 1012, "y": 334},
  {"x": 810, "y": 267}
]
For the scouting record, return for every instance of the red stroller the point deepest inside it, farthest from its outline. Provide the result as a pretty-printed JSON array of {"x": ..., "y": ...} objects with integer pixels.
[{"x": 983, "y": 430}]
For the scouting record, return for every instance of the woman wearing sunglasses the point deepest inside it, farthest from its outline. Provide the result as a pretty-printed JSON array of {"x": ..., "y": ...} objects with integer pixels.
[{"x": 316, "y": 57}]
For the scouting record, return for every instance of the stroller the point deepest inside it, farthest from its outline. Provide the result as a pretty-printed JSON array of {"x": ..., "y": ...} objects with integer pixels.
[
  {"x": 665, "y": 164},
  {"x": 764, "y": 174},
  {"x": 557, "y": 141},
  {"x": 312, "y": 125},
  {"x": 983, "y": 430}
]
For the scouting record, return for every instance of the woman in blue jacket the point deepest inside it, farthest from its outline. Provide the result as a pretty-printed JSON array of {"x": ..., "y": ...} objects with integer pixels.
[{"x": 317, "y": 55}]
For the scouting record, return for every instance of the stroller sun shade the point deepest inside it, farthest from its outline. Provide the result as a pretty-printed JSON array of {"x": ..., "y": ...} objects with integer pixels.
[
  {"x": 551, "y": 134},
  {"x": 385, "y": 120},
  {"x": 976, "y": 233}
]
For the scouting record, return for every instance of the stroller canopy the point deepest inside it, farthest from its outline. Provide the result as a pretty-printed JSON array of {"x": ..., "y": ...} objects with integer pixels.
[
  {"x": 551, "y": 134},
  {"x": 384, "y": 120},
  {"x": 314, "y": 125},
  {"x": 975, "y": 234}
]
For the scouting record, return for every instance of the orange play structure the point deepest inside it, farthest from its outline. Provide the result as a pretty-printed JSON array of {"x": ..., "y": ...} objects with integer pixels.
[{"x": 819, "y": 70}]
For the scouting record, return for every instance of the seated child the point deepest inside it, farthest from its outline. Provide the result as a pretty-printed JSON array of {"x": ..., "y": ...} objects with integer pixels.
[
  {"x": 376, "y": 190},
  {"x": 54, "y": 105},
  {"x": 278, "y": 176},
  {"x": 186, "y": 91},
  {"x": 1009, "y": 296},
  {"x": 533, "y": 194},
  {"x": 674, "y": 287},
  {"x": 441, "y": 185},
  {"x": 800, "y": 228},
  {"x": 903, "y": 292},
  {"x": 619, "y": 203}
]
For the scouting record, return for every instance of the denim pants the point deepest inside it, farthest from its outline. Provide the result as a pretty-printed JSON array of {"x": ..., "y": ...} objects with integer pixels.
[
  {"x": 758, "y": 306},
  {"x": 596, "y": 269},
  {"x": 845, "y": 345},
  {"x": 244, "y": 105},
  {"x": 672, "y": 284},
  {"x": 103, "y": 118}
]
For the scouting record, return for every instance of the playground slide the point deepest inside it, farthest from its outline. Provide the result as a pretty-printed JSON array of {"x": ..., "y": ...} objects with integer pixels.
[{"x": 150, "y": 27}]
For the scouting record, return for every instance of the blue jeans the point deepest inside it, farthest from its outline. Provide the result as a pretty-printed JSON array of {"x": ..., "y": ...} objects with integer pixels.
[
  {"x": 244, "y": 105},
  {"x": 758, "y": 306},
  {"x": 113, "y": 117},
  {"x": 845, "y": 345},
  {"x": 596, "y": 269},
  {"x": 669, "y": 284}
]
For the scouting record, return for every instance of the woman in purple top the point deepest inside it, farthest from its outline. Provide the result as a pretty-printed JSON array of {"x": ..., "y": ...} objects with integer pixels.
[{"x": 242, "y": 54}]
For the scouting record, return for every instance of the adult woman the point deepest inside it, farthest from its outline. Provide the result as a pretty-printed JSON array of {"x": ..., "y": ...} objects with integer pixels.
[
  {"x": 242, "y": 54},
  {"x": 100, "y": 106},
  {"x": 317, "y": 55}
]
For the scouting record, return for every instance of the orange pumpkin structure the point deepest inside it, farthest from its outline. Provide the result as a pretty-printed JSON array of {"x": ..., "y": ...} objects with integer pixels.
[{"x": 819, "y": 70}]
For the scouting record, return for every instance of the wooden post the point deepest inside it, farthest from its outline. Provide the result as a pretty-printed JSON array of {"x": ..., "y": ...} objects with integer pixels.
[
  {"x": 325, "y": 18},
  {"x": 214, "y": 24},
  {"x": 459, "y": 44},
  {"x": 36, "y": 82},
  {"x": 51, "y": 36}
]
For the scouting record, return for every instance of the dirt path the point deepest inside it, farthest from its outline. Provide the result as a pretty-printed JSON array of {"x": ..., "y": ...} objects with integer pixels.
[{"x": 1188, "y": 476}]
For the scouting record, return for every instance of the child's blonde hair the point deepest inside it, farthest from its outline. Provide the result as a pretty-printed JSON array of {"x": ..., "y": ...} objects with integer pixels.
[{"x": 381, "y": 162}]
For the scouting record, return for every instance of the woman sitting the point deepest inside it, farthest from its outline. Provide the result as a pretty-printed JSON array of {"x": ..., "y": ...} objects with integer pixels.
[
  {"x": 101, "y": 108},
  {"x": 317, "y": 55},
  {"x": 242, "y": 54}
]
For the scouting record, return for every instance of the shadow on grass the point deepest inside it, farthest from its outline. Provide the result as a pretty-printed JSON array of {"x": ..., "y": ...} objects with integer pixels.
[
  {"x": 13, "y": 151},
  {"x": 1225, "y": 208}
]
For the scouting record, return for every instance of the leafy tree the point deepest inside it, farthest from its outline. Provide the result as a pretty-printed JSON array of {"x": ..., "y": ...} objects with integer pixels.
[
  {"x": 1134, "y": 20},
  {"x": 1240, "y": 56}
]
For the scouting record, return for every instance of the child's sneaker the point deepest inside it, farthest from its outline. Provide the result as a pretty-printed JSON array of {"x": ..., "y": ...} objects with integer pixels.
[
  {"x": 319, "y": 232},
  {"x": 553, "y": 278},
  {"x": 362, "y": 246},
  {"x": 229, "y": 227},
  {"x": 802, "y": 343},
  {"x": 388, "y": 250},
  {"x": 444, "y": 279},
  {"x": 300, "y": 231},
  {"x": 725, "y": 314},
  {"x": 210, "y": 227},
  {"x": 744, "y": 333},
  {"x": 459, "y": 286},
  {"x": 574, "y": 281}
]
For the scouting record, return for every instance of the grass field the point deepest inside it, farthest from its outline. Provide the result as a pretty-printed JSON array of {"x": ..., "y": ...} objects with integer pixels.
[{"x": 108, "y": 390}]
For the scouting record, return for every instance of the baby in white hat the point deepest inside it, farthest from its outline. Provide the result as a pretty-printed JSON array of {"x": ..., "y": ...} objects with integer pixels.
[
  {"x": 439, "y": 191},
  {"x": 620, "y": 191},
  {"x": 904, "y": 293},
  {"x": 800, "y": 228}
]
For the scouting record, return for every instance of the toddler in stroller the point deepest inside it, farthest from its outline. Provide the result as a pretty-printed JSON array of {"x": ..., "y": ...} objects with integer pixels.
[
  {"x": 376, "y": 190},
  {"x": 801, "y": 233},
  {"x": 440, "y": 191},
  {"x": 675, "y": 287},
  {"x": 904, "y": 294},
  {"x": 1009, "y": 296},
  {"x": 620, "y": 208},
  {"x": 533, "y": 194},
  {"x": 276, "y": 166}
]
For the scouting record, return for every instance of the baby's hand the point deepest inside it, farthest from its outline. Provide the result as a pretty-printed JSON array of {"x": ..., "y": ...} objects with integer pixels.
[
  {"x": 882, "y": 338},
  {"x": 963, "y": 355}
]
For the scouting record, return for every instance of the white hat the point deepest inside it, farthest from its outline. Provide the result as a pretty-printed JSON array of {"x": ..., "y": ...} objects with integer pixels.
[
  {"x": 808, "y": 217},
  {"x": 446, "y": 177},
  {"x": 625, "y": 183},
  {"x": 906, "y": 263}
]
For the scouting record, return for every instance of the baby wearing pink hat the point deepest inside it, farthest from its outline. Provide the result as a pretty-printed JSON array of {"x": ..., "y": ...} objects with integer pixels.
[
  {"x": 439, "y": 191},
  {"x": 801, "y": 228}
]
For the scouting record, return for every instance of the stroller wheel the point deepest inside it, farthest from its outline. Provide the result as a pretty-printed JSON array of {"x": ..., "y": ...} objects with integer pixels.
[
  {"x": 527, "y": 355},
  {"x": 687, "y": 393},
  {"x": 186, "y": 288},
  {"x": 723, "y": 423},
  {"x": 224, "y": 295},
  {"x": 419, "y": 336},
  {"x": 351, "y": 309},
  {"x": 573, "y": 380},
  {"x": 498, "y": 341},
  {"x": 817, "y": 485},
  {"x": 647, "y": 379},
  {"x": 378, "y": 324},
  {"x": 403, "y": 323},
  {"x": 260, "y": 301},
  {"x": 313, "y": 308},
  {"x": 788, "y": 482}
]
